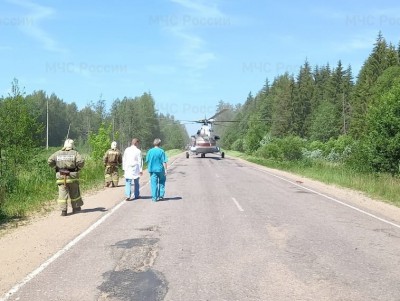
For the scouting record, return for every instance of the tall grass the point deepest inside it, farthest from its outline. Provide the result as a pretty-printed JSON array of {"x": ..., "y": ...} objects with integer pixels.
[
  {"x": 379, "y": 186},
  {"x": 35, "y": 188}
]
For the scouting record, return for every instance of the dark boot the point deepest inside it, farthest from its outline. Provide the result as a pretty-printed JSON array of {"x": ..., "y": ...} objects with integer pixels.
[
  {"x": 64, "y": 213},
  {"x": 77, "y": 209}
]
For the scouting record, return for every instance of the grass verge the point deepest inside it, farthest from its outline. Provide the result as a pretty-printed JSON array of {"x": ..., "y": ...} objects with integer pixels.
[
  {"x": 378, "y": 186},
  {"x": 35, "y": 190}
]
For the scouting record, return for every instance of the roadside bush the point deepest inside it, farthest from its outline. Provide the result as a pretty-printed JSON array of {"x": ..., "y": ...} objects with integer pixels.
[
  {"x": 312, "y": 154},
  {"x": 333, "y": 156},
  {"x": 270, "y": 151},
  {"x": 342, "y": 143},
  {"x": 359, "y": 157},
  {"x": 288, "y": 148},
  {"x": 238, "y": 145},
  {"x": 383, "y": 137},
  {"x": 266, "y": 139},
  {"x": 101, "y": 141},
  {"x": 334, "y": 150},
  {"x": 317, "y": 145},
  {"x": 251, "y": 143},
  {"x": 292, "y": 147}
]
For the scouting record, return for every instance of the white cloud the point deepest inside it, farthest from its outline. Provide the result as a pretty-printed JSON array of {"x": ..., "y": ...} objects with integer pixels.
[
  {"x": 356, "y": 43},
  {"x": 202, "y": 8},
  {"x": 198, "y": 16},
  {"x": 193, "y": 52},
  {"x": 32, "y": 28}
]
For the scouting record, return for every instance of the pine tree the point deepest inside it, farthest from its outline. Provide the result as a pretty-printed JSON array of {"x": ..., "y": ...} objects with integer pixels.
[
  {"x": 282, "y": 93},
  {"x": 337, "y": 97},
  {"x": 347, "y": 92},
  {"x": 303, "y": 95},
  {"x": 147, "y": 123},
  {"x": 383, "y": 125},
  {"x": 322, "y": 77},
  {"x": 381, "y": 58}
]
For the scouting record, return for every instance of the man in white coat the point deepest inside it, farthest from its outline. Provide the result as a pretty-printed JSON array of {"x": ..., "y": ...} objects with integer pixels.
[{"x": 132, "y": 164}]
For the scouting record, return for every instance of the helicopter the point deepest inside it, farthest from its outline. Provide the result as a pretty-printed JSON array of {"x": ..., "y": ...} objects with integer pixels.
[{"x": 205, "y": 141}]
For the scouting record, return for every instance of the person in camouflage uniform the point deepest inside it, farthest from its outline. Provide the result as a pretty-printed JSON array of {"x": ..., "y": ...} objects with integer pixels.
[
  {"x": 112, "y": 158},
  {"x": 67, "y": 163}
]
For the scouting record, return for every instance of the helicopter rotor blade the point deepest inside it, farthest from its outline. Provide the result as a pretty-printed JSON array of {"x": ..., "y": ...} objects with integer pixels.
[
  {"x": 260, "y": 120},
  {"x": 220, "y": 112},
  {"x": 211, "y": 120},
  {"x": 193, "y": 121}
]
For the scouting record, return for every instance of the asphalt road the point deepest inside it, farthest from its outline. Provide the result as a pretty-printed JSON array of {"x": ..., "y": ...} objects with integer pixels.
[{"x": 227, "y": 231}]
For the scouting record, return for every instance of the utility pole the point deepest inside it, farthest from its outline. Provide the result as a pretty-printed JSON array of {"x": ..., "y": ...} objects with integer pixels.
[
  {"x": 47, "y": 125},
  {"x": 68, "y": 131}
]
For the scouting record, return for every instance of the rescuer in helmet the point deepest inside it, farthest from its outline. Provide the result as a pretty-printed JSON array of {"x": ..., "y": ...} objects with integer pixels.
[
  {"x": 112, "y": 159},
  {"x": 67, "y": 163}
]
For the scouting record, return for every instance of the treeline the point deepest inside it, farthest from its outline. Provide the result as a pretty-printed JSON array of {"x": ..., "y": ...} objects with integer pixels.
[
  {"x": 129, "y": 117},
  {"x": 25, "y": 121},
  {"x": 323, "y": 112}
]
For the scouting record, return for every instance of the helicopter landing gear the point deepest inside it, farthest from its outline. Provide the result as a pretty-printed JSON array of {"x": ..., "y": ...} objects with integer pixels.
[
  {"x": 187, "y": 155},
  {"x": 222, "y": 155}
]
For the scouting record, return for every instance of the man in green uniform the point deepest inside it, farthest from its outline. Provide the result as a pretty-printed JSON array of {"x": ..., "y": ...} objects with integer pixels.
[
  {"x": 67, "y": 163},
  {"x": 112, "y": 158}
]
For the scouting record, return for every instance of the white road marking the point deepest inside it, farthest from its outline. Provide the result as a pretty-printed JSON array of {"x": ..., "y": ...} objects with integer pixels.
[
  {"x": 237, "y": 204},
  {"x": 72, "y": 243},
  {"x": 44, "y": 265},
  {"x": 333, "y": 199}
]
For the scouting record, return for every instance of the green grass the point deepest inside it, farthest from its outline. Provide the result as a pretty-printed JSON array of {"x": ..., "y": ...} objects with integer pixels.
[
  {"x": 35, "y": 188},
  {"x": 378, "y": 186},
  {"x": 173, "y": 152}
]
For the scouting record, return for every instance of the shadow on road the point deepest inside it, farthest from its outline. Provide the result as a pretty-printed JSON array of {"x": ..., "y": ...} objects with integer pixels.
[
  {"x": 145, "y": 197},
  {"x": 170, "y": 199},
  {"x": 102, "y": 209},
  {"x": 148, "y": 197},
  {"x": 206, "y": 157},
  {"x": 119, "y": 185}
]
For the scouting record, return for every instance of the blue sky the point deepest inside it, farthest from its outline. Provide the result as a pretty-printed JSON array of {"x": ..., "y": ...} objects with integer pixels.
[{"x": 188, "y": 54}]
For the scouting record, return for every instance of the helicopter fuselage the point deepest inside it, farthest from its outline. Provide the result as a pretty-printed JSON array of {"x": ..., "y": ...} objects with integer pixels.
[
  {"x": 205, "y": 142},
  {"x": 203, "y": 146}
]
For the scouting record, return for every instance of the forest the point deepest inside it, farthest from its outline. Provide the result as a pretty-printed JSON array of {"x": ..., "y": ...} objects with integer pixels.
[
  {"x": 35, "y": 125},
  {"x": 322, "y": 114}
]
